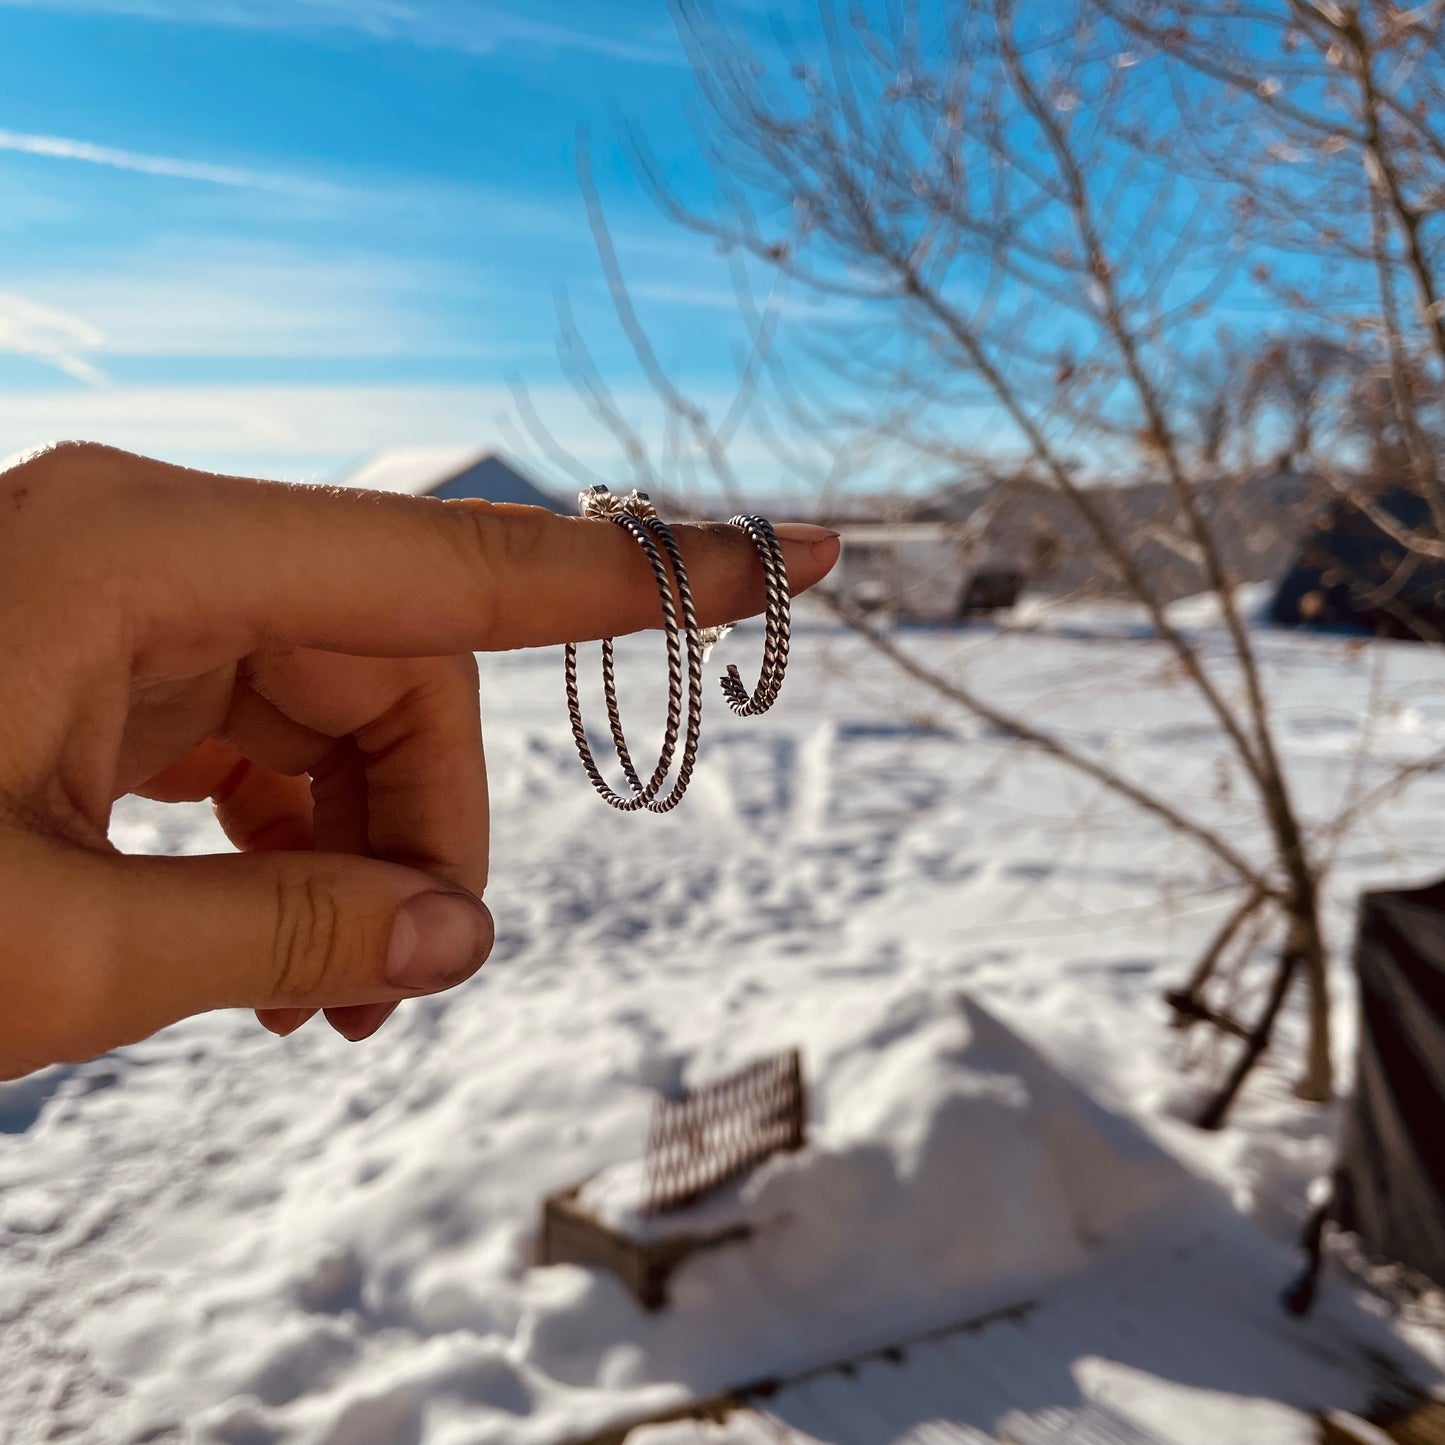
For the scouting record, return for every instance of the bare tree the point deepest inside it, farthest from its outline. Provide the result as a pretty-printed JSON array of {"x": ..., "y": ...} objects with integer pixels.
[
  {"x": 1038, "y": 214},
  {"x": 1323, "y": 120},
  {"x": 1293, "y": 375}
]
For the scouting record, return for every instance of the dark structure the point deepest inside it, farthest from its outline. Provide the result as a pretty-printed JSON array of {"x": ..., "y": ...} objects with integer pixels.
[
  {"x": 1350, "y": 574},
  {"x": 1389, "y": 1185},
  {"x": 1025, "y": 524},
  {"x": 572, "y": 1234},
  {"x": 699, "y": 1141},
  {"x": 451, "y": 472},
  {"x": 989, "y": 592}
]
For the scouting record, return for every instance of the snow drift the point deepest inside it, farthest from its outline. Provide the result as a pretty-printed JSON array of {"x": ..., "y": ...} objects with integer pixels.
[
  {"x": 217, "y": 1236},
  {"x": 950, "y": 1169}
]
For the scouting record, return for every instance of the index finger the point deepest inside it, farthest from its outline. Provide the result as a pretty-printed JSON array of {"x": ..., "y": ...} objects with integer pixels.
[{"x": 388, "y": 575}]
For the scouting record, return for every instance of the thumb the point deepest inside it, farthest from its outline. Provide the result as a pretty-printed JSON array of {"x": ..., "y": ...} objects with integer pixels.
[{"x": 169, "y": 937}]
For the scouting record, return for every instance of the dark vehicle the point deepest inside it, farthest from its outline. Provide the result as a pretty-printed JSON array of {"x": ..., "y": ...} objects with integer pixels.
[
  {"x": 1351, "y": 574},
  {"x": 988, "y": 592}
]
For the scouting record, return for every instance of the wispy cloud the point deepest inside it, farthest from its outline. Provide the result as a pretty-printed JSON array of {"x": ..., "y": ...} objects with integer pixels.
[
  {"x": 453, "y": 24},
  {"x": 317, "y": 430},
  {"x": 227, "y": 299},
  {"x": 57, "y": 338},
  {"x": 61, "y": 148}
]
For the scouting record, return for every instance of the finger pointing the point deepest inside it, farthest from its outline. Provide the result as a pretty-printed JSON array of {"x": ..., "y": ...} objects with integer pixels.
[{"x": 381, "y": 574}]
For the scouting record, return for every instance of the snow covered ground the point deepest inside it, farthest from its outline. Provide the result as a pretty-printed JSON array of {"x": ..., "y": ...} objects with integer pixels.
[{"x": 222, "y": 1237}]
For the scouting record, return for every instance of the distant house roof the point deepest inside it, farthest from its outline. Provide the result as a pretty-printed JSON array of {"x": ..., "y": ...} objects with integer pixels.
[{"x": 449, "y": 471}]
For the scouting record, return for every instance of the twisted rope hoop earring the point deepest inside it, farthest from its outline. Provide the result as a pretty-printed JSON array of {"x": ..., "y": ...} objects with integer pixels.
[
  {"x": 636, "y": 515},
  {"x": 779, "y": 619}
]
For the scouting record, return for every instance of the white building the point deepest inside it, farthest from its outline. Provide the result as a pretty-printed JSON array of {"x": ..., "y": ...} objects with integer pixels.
[{"x": 922, "y": 571}]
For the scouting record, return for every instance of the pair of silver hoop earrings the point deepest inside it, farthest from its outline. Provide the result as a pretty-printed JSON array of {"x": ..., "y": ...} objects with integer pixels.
[{"x": 636, "y": 515}]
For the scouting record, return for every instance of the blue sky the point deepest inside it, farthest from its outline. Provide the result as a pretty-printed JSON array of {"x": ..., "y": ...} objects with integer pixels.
[{"x": 271, "y": 235}]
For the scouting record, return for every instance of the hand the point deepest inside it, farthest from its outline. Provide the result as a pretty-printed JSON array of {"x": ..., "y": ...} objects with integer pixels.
[{"x": 303, "y": 657}]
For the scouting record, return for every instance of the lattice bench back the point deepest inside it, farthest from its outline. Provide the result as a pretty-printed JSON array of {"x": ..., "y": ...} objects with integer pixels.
[{"x": 718, "y": 1132}]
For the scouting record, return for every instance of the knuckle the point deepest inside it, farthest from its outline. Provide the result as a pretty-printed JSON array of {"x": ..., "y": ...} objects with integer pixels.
[
  {"x": 506, "y": 544},
  {"x": 60, "y": 505},
  {"x": 524, "y": 535},
  {"x": 504, "y": 539},
  {"x": 64, "y": 467},
  {"x": 311, "y": 945}
]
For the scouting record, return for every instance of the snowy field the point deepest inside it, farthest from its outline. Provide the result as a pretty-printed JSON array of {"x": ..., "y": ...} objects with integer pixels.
[{"x": 223, "y": 1237}]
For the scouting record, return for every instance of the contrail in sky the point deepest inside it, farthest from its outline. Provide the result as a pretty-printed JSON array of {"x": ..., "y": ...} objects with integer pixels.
[{"x": 59, "y": 148}]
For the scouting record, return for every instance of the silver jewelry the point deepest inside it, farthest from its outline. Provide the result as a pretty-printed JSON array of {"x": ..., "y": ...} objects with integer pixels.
[
  {"x": 636, "y": 515},
  {"x": 779, "y": 617}
]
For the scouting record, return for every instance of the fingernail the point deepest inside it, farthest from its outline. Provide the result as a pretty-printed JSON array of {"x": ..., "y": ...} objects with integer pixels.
[
  {"x": 359, "y": 1021},
  {"x": 804, "y": 532},
  {"x": 437, "y": 940}
]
